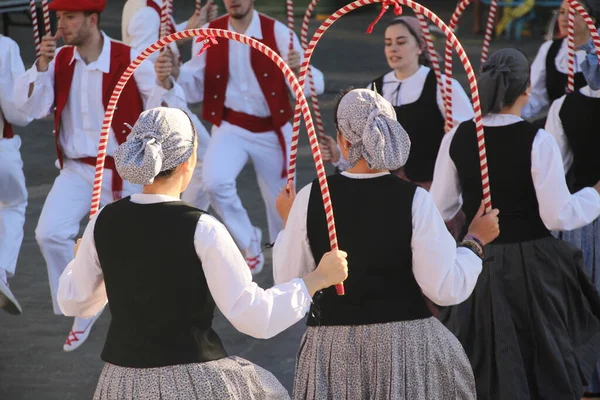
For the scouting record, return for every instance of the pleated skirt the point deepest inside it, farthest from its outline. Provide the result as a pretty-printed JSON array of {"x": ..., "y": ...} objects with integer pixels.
[
  {"x": 588, "y": 240},
  {"x": 225, "y": 379},
  {"x": 531, "y": 328},
  {"x": 412, "y": 360}
]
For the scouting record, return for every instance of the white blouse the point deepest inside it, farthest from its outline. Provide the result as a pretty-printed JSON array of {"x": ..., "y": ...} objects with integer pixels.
[
  {"x": 412, "y": 87},
  {"x": 254, "y": 311},
  {"x": 555, "y": 127},
  {"x": 559, "y": 209},
  {"x": 81, "y": 120},
  {"x": 538, "y": 98},
  {"x": 445, "y": 273}
]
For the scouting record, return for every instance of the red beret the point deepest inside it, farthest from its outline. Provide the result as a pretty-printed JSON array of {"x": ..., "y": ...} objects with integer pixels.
[{"x": 78, "y": 5}]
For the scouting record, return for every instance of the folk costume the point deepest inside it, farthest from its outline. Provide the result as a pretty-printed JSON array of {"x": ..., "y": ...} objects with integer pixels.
[
  {"x": 531, "y": 328},
  {"x": 160, "y": 342},
  {"x": 246, "y": 98},
  {"x": 571, "y": 122},
  {"x": 13, "y": 192},
  {"x": 78, "y": 94},
  {"x": 356, "y": 346}
]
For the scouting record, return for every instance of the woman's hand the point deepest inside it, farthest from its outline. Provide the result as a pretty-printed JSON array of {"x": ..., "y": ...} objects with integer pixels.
[
  {"x": 329, "y": 149},
  {"x": 285, "y": 200},
  {"x": 486, "y": 227},
  {"x": 332, "y": 269}
]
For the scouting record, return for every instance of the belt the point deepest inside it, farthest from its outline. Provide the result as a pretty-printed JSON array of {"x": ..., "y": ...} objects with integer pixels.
[{"x": 109, "y": 163}]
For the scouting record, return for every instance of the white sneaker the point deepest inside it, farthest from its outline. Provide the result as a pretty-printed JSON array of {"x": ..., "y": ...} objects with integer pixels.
[
  {"x": 8, "y": 301},
  {"x": 79, "y": 332},
  {"x": 255, "y": 258}
]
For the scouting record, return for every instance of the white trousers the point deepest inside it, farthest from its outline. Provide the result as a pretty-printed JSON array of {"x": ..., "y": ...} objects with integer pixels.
[
  {"x": 196, "y": 193},
  {"x": 13, "y": 202},
  {"x": 229, "y": 150},
  {"x": 67, "y": 204}
]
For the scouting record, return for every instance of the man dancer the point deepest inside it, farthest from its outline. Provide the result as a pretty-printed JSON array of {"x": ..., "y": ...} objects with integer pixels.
[
  {"x": 78, "y": 80},
  {"x": 140, "y": 27},
  {"x": 245, "y": 97},
  {"x": 13, "y": 192}
]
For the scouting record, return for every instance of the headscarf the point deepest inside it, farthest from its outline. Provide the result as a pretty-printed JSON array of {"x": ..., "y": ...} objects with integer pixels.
[
  {"x": 414, "y": 27},
  {"x": 368, "y": 122},
  {"x": 589, "y": 65},
  {"x": 161, "y": 139},
  {"x": 504, "y": 77}
]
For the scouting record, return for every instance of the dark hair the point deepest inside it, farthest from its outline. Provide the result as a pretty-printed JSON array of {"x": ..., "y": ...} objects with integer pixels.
[
  {"x": 337, "y": 104},
  {"x": 88, "y": 13},
  {"x": 169, "y": 172},
  {"x": 423, "y": 58}
]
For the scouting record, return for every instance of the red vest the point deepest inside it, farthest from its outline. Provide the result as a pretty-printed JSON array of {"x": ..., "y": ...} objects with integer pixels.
[
  {"x": 120, "y": 58},
  {"x": 270, "y": 77},
  {"x": 7, "y": 132}
]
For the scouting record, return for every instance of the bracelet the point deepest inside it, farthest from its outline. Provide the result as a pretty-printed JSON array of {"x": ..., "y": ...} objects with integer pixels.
[
  {"x": 473, "y": 238},
  {"x": 473, "y": 246}
]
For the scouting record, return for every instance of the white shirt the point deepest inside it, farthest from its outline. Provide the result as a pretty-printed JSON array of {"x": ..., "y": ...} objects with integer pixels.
[
  {"x": 555, "y": 127},
  {"x": 143, "y": 30},
  {"x": 445, "y": 273},
  {"x": 538, "y": 99},
  {"x": 254, "y": 311},
  {"x": 559, "y": 209},
  {"x": 11, "y": 66},
  {"x": 81, "y": 120},
  {"x": 243, "y": 92},
  {"x": 412, "y": 87}
]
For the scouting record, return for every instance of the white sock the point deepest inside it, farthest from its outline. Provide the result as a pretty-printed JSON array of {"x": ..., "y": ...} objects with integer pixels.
[{"x": 80, "y": 324}]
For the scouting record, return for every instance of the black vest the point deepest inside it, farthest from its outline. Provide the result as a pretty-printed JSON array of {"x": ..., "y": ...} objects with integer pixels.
[
  {"x": 556, "y": 81},
  {"x": 374, "y": 226},
  {"x": 578, "y": 117},
  {"x": 159, "y": 300},
  {"x": 508, "y": 151},
  {"x": 424, "y": 124}
]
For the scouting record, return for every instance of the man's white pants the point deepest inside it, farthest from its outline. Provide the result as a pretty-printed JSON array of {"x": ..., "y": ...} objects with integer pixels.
[
  {"x": 196, "y": 193},
  {"x": 229, "y": 150},
  {"x": 67, "y": 204},
  {"x": 13, "y": 202}
]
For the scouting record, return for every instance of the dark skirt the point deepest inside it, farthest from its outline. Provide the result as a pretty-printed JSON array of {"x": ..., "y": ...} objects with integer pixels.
[
  {"x": 531, "y": 328},
  {"x": 412, "y": 360}
]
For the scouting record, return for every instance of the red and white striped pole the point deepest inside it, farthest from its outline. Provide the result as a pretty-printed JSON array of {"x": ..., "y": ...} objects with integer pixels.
[
  {"x": 198, "y": 5},
  {"x": 571, "y": 51},
  {"x": 289, "y": 75},
  {"x": 463, "y": 58},
  {"x": 290, "y": 21},
  {"x": 435, "y": 62},
  {"x": 311, "y": 83},
  {"x": 36, "y": 27},
  {"x": 489, "y": 31},
  {"x": 46, "y": 14},
  {"x": 574, "y": 6}
]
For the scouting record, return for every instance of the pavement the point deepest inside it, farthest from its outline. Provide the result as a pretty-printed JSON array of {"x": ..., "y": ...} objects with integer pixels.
[{"x": 33, "y": 365}]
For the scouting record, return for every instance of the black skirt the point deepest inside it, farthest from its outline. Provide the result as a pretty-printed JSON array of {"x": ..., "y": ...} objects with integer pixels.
[{"x": 531, "y": 328}]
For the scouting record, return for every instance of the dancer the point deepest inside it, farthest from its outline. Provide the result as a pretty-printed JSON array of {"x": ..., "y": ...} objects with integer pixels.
[
  {"x": 531, "y": 327},
  {"x": 140, "y": 27},
  {"x": 246, "y": 98},
  {"x": 76, "y": 81},
  {"x": 550, "y": 67},
  {"x": 571, "y": 122},
  {"x": 163, "y": 265},
  {"x": 412, "y": 89},
  {"x": 13, "y": 192},
  {"x": 357, "y": 346}
]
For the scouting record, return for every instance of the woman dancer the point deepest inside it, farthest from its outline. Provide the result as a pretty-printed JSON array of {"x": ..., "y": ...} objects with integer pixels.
[
  {"x": 571, "y": 120},
  {"x": 379, "y": 340},
  {"x": 531, "y": 327},
  {"x": 550, "y": 67},
  {"x": 162, "y": 265}
]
